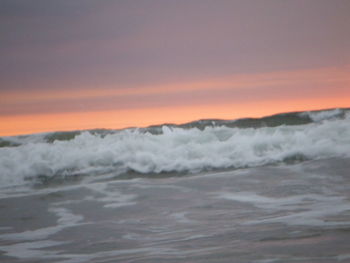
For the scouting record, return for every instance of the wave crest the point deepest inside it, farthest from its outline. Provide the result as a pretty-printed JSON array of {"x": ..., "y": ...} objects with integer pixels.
[{"x": 173, "y": 150}]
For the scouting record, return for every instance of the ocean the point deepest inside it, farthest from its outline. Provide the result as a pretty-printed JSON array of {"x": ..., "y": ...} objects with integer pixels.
[{"x": 265, "y": 190}]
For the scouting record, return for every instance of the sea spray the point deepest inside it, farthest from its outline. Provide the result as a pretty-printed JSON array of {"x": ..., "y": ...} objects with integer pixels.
[{"x": 174, "y": 150}]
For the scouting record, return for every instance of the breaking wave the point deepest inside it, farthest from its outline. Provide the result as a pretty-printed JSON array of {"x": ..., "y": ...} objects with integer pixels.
[{"x": 188, "y": 148}]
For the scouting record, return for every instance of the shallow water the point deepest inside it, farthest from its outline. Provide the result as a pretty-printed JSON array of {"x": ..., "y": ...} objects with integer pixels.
[{"x": 281, "y": 213}]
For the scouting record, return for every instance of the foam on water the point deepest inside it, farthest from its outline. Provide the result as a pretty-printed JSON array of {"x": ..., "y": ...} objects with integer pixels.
[
  {"x": 65, "y": 220},
  {"x": 174, "y": 150},
  {"x": 315, "y": 208},
  {"x": 317, "y": 116}
]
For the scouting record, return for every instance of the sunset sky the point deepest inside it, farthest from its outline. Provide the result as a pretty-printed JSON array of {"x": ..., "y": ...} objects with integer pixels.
[{"x": 83, "y": 64}]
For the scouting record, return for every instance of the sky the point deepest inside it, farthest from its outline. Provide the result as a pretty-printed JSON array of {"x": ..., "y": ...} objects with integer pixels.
[{"x": 84, "y": 64}]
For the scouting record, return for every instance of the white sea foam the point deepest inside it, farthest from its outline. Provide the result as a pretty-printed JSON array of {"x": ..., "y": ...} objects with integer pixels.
[
  {"x": 175, "y": 150},
  {"x": 65, "y": 220},
  {"x": 111, "y": 198},
  {"x": 322, "y": 115},
  {"x": 316, "y": 208},
  {"x": 33, "y": 249}
]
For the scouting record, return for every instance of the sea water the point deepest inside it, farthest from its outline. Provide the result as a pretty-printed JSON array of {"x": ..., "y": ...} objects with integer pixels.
[{"x": 274, "y": 189}]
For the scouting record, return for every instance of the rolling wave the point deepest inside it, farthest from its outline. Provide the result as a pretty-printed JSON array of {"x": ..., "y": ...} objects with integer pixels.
[{"x": 177, "y": 149}]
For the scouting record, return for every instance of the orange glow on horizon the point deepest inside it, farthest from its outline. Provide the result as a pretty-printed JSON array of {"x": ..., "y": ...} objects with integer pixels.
[
  {"x": 27, "y": 124},
  {"x": 220, "y": 101}
]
